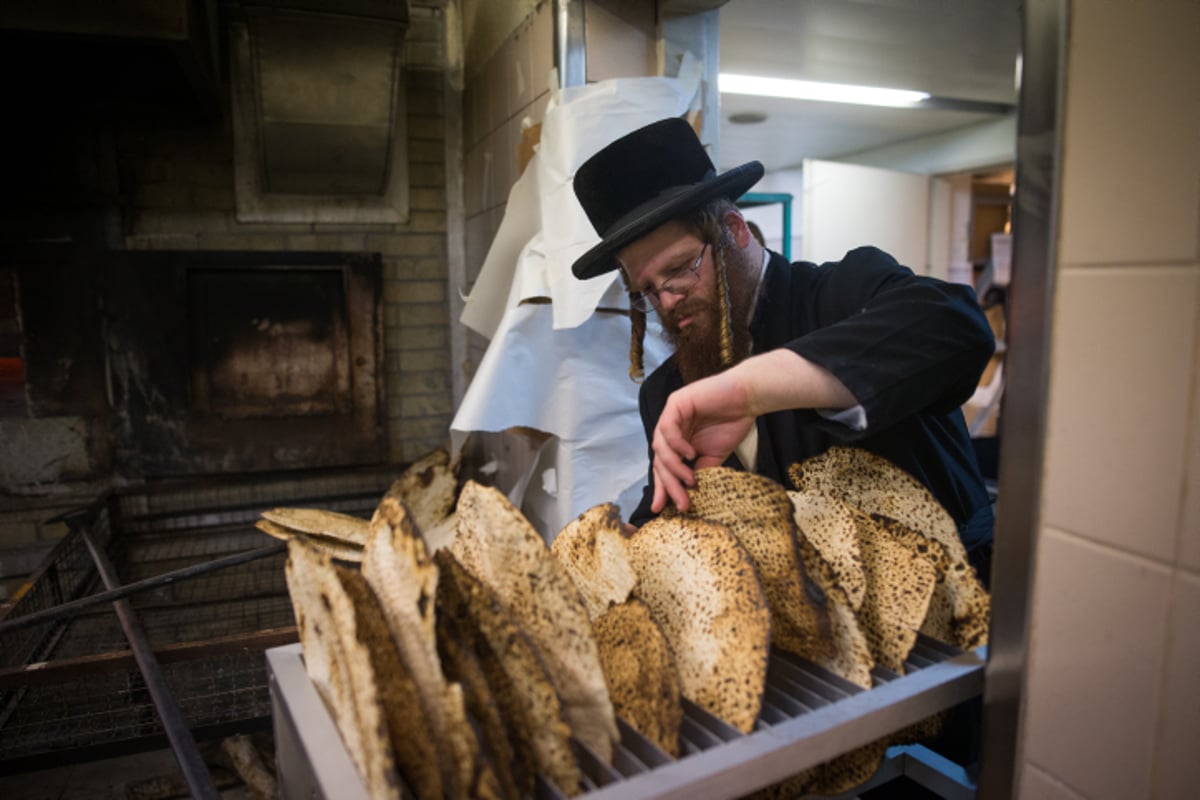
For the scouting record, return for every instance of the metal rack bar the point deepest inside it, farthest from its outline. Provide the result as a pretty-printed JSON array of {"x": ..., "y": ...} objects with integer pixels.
[
  {"x": 75, "y": 606},
  {"x": 50, "y": 672},
  {"x": 199, "y": 781},
  {"x": 716, "y": 760},
  {"x": 753, "y": 761}
]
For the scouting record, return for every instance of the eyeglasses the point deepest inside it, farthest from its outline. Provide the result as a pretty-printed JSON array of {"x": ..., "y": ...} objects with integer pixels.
[{"x": 680, "y": 283}]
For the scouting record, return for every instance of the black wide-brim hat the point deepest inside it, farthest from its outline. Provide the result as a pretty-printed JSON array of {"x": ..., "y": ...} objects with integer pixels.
[{"x": 647, "y": 178}]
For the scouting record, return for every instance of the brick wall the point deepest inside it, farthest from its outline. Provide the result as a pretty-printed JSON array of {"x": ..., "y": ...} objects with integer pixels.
[
  {"x": 172, "y": 188},
  {"x": 500, "y": 93},
  {"x": 178, "y": 193}
]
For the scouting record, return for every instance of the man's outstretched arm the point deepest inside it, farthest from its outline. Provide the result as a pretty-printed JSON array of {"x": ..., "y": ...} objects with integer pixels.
[{"x": 704, "y": 421}]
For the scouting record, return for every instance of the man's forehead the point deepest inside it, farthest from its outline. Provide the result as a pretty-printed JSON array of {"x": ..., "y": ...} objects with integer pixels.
[{"x": 659, "y": 248}]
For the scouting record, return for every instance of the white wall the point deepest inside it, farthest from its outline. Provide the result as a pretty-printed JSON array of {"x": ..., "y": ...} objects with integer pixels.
[
  {"x": 1112, "y": 708},
  {"x": 847, "y": 205},
  {"x": 987, "y": 144},
  {"x": 770, "y": 218}
]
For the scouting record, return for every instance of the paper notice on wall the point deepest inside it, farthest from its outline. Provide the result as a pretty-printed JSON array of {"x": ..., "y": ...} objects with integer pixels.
[{"x": 562, "y": 367}]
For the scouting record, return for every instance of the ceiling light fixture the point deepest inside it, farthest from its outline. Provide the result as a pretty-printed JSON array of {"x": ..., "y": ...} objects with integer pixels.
[
  {"x": 747, "y": 118},
  {"x": 811, "y": 90}
]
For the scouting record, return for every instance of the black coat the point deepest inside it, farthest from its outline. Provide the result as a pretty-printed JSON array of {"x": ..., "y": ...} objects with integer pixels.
[{"x": 910, "y": 348}]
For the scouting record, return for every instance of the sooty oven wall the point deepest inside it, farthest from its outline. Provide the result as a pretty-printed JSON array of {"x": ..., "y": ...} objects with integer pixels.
[{"x": 133, "y": 275}]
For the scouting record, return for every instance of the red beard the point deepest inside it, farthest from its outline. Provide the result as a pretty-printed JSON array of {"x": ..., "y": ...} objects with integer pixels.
[{"x": 698, "y": 346}]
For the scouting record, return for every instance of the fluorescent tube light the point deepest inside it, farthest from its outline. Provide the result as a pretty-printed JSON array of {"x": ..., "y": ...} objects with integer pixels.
[{"x": 812, "y": 90}]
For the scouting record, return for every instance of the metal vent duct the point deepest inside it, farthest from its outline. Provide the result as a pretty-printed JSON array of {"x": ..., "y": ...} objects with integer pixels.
[{"x": 319, "y": 112}]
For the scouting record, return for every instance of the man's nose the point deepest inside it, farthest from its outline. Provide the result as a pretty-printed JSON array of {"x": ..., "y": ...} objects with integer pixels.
[{"x": 668, "y": 300}]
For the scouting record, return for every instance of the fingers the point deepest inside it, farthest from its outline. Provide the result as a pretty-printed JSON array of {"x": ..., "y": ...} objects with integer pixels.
[
  {"x": 704, "y": 462},
  {"x": 669, "y": 486},
  {"x": 672, "y": 474},
  {"x": 672, "y": 434},
  {"x": 671, "y": 478}
]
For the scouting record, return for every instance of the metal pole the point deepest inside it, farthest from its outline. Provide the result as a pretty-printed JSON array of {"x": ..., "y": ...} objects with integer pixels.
[
  {"x": 74, "y": 606},
  {"x": 1018, "y": 505},
  {"x": 570, "y": 51},
  {"x": 199, "y": 781}
]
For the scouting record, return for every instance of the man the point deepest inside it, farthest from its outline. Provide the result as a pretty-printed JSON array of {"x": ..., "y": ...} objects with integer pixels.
[{"x": 777, "y": 362}]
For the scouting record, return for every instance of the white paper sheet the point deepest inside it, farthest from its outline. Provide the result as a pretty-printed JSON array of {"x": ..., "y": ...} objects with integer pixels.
[
  {"x": 562, "y": 367},
  {"x": 572, "y": 383},
  {"x": 490, "y": 296}
]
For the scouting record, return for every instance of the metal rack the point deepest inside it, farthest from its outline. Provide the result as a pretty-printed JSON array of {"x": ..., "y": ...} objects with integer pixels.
[
  {"x": 204, "y": 588},
  {"x": 809, "y": 716}
]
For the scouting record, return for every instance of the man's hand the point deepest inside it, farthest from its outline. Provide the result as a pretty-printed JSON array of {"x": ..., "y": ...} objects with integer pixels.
[
  {"x": 701, "y": 423},
  {"x": 704, "y": 421}
]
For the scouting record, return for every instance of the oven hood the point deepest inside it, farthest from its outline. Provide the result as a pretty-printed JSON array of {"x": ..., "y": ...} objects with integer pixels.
[
  {"x": 76, "y": 57},
  {"x": 323, "y": 78}
]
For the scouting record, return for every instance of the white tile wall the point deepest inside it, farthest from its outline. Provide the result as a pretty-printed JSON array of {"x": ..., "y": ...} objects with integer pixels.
[
  {"x": 520, "y": 67},
  {"x": 1177, "y": 760},
  {"x": 496, "y": 85},
  {"x": 1132, "y": 125},
  {"x": 1112, "y": 704},
  {"x": 1189, "y": 529},
  {"x": 474, "y": 188},
  {"x": 1122, "y": 373},
  {"x": 470, "y": 122},
  {"x": 511, "y": 85},
  {"x": 1039, "y": 785},
  {"x": 478, "y": 240},
  {"x": 501, "y": 164},
  {"x": 1096, "y": 662},
  {"x": 543, "y": 48}
]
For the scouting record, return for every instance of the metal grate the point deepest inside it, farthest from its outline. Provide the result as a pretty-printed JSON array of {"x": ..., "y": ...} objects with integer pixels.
[
  {"x": 86, "y": 696},
  {"x": 809, "y": 717},
  {"x": 67, "y": 573}
]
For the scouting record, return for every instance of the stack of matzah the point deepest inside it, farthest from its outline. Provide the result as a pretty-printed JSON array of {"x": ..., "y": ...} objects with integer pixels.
[
  {"x": 470, "y": 671},
  {"x": 466, "y": 673}
]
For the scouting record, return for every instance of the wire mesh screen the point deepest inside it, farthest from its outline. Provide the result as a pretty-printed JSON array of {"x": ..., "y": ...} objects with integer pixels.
[
  {"x": 207, "y": 631},
  {"x": 67, "y": 573}
]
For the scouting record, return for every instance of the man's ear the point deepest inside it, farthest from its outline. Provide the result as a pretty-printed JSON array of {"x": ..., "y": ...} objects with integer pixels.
[{"x": 735, "y": 223}]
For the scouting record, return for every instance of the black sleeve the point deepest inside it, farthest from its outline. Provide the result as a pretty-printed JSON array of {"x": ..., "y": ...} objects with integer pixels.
[{"x": 901, "y": 343}]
